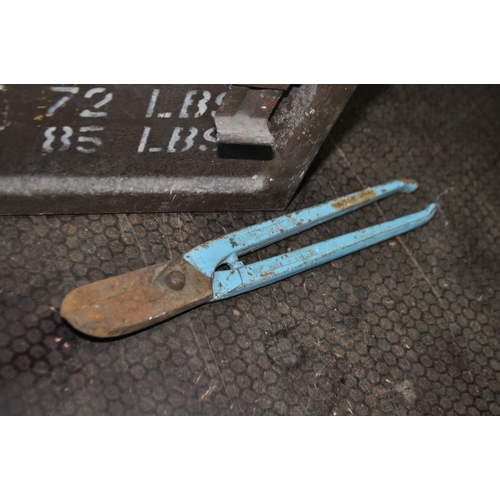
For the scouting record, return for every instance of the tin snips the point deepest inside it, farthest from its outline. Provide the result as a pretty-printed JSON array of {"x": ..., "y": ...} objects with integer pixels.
[{"x": 133, "y": 301}]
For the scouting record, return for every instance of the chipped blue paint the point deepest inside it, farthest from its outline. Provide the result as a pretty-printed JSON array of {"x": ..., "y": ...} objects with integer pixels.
[
  {"x": 230, "y": 283},
  {"x": 240, "y": 278}
]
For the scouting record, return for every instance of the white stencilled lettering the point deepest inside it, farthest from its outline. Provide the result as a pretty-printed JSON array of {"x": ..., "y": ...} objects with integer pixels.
[
  {"x": 193, "y": 132},
  {"x": 50, "y": 138},
  {"x": 67, "y": 132},
  {"x": 218, "y": 101},
  {"x": 209, "y": 135},
  {"x": 72, "y": 91},
  {"x": 192, "y": 107},
  {"x": 86, "y": 113},
  {"x": 196, "y": 104},
  {"x": 152, "y": 103},
  {"x": 144, "y": 139},
  {"x": 187, "y": 103},
  {"x": 202, "y": 104},
  {"x": 94, "y": 140},
  {"x": 65, "y": 138},
  {"x": 91, "y": 128},
  {"x": 174, "y": 139}
]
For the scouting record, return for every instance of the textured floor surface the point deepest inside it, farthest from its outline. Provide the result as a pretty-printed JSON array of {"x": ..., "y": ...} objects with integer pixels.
[{"x": 408, "y": 327}]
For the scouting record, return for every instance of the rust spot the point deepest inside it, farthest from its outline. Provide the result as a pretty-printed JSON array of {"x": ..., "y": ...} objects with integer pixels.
[
  {"x": 269, "y": 274},
  {"x": 408, "y": 181},
  {"x": 354, "y": 200}
]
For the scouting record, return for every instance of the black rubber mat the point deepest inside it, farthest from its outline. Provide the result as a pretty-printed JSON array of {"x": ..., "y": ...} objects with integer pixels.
[{"x": 408, "y": 327}]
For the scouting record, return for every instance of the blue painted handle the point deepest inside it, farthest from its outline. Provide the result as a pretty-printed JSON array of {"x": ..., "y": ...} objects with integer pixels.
[
  {"x": 244, "y": 279},
  {"x": 207, "y": 257}
]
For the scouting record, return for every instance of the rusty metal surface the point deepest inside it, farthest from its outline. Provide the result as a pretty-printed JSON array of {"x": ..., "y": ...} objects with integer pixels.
[
  {"x": 409, "y": 327},
  {"x": 130, "y": 302},
  {"x": 149, "y": 148}
]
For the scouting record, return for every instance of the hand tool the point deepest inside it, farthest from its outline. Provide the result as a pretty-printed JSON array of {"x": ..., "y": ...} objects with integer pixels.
[{"x": 124, "y": 304}]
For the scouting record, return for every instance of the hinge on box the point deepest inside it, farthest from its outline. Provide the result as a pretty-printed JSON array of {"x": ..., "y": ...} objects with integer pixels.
[{"x": 243, "y": 117}]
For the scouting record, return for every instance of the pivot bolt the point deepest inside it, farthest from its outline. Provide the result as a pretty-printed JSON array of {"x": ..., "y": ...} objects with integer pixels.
[{"x": 175, "y": 280}]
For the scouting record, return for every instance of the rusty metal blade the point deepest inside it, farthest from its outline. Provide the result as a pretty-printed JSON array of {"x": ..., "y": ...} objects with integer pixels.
[{"x": 133, "y": 301}]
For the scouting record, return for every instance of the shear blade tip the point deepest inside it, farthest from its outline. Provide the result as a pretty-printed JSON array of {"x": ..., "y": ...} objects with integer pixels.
[
  {"x": 410, "y": 185},
  {"x": 432, "y": 208}
]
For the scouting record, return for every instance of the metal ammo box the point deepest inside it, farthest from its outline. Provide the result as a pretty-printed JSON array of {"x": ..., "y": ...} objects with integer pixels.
[{"x": 159, "y": 148}]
